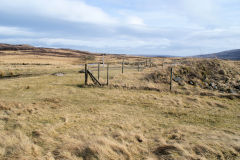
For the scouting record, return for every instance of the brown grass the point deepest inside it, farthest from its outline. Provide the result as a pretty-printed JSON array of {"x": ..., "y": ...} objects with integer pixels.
[{"x": 48, "y": 117}]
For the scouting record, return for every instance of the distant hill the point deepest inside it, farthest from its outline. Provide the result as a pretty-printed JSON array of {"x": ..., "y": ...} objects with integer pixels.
[
  {"x": 24, "y": 49},
  {"x": 231, "y": 55},
  {"x": 31, "y": 50},
  {"x": 8, "y": 47}
]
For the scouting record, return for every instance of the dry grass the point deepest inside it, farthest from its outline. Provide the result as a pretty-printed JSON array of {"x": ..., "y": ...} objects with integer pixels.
[{"x": 49, "y": 117}]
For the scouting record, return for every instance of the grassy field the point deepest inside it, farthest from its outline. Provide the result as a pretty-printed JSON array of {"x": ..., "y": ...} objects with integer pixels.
[{"x": 49, "y": 117}]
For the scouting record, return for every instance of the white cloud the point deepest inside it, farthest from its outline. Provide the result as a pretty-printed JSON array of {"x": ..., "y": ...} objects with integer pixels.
[
  {"x": 14, "y": 31},
  {"x": 180, "y": 27},
  {"x": 203, "y": 8},
  {"x": 128, "y": 42},
  {"x": 216, "y": 33},
  {"x": 69, "y": 10},
  {"x": 134, "y": 20}
]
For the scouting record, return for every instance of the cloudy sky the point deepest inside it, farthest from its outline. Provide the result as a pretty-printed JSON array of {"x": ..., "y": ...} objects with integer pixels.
[{"x": 154, "y": 27}]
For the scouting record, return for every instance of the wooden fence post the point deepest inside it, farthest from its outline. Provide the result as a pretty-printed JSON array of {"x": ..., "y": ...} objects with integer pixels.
[
  {"x": 122, "y": 66},
  {"x": 98, "y": 70},
  {"x": 171, "y": 79},
  {"x": 162, "y": 62},
  {"x": 138, "y": 66},
  {"x": 86, "y": 74},
  {"x": 107, "y": 74}
]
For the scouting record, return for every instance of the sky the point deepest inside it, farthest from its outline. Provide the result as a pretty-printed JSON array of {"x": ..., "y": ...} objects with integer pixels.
[{"x": 141, "y": 27}]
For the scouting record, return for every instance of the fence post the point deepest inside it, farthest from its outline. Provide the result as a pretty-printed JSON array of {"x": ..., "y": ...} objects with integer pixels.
[
  {"x": 162, "y": 62},
  {"x": 107, "y": 74},
  {"x": 171, "y": 79},
  {"x": 98, "y": 70},
  {"x": 138, "y": 66},
  {"x": 86, "y": 74},
  {"x": 122, "y": 66},
  {"x": 103, "y": 61}
]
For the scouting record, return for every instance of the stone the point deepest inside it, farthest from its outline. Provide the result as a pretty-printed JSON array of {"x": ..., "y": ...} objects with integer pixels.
[
  {"x": 36, "y": 134},
  {"x": 230, "y": 91},
  {"x": 215, "y": 87},
  {"x": 213, "y": 84},
  {"x": 58, "y": 74},
  {"x": 221, "y": 89},
  {"x": 181, "y": 83},
  {"x": 226, "y": 79},
  {"x": 177, "y": 79},
  {"x": 139, "y": 138},
  {"x": 191, "y": 82},
  {"x": 222, "y": 72},
  {"x": 237, "y": 87},
  {"x": 81, "y": 71}
]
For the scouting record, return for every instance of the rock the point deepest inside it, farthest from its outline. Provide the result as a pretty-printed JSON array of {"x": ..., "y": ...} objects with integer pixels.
[
  {"x": 36, "y": 134},
  {"x": 64, "y": 119},
  {"x": 226, "y": 79},
  {"x": 221, "y": 89},
  {"x": 230, "y": 91},
  {"x": 58, "y": 74},
  {"x": 81, "y": 71},
  {"x": 181, "y": 83},
  {"x": 177, "y": 79},
  {"x": 139, "y": 138},
  {"x": 191, "y": 82},
  {"x": 222, "y": 72},
  {"x": 213, "y": 85},
  {"x": 237, "y": 87}
]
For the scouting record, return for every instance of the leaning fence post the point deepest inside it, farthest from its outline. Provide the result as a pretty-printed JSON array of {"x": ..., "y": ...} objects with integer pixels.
[
  {"x": 171, "y": 79},
  {"x": 107, "y": 74},
  {"x": 86, "y": 74},
  {"x": 98, "y": 70}
]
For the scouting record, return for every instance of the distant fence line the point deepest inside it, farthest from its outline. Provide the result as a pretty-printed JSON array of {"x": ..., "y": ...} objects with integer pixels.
[{"x": 139, "y": 65}]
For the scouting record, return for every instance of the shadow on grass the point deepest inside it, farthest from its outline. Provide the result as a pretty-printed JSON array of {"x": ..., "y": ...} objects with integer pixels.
[{"x": 88, "y": 86}]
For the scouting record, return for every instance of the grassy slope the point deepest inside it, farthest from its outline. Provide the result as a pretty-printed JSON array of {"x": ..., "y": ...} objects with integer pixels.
[{"x": 50, "y": 117}]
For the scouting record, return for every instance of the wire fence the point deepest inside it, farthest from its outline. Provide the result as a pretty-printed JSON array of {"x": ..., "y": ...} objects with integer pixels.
[{"x": 100, "y": 70}]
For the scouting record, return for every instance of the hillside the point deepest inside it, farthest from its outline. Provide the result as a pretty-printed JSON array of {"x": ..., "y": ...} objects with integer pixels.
[
  {"x": 31, "y": 50},
  {"x": 49, "y": 116},
  {"x": 27, "y": 54},
  {"x": 230, "y": 55}
]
